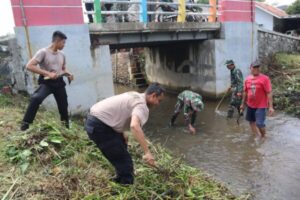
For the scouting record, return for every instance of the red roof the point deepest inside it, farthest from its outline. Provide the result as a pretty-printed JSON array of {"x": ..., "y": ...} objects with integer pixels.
[{"x": 271, "y": 9}]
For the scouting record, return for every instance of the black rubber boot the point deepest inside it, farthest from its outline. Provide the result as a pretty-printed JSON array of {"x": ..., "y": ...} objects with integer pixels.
[
  {"x": 230, "y": 112},
  {"x": 171, "y": 123}
]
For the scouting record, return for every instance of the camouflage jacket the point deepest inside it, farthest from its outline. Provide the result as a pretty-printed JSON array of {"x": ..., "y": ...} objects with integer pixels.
[
  {"x": 189, "y": 100},
  {"x": 236, "y": 78}
]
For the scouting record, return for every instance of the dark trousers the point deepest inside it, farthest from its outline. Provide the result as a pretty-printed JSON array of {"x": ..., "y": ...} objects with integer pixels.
[
  {"x": 113, "y": 147},
  {"x": 38, "y": 97}
]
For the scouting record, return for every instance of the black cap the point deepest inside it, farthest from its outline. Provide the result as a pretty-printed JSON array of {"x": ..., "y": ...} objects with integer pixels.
[{"x": 255, "y": 64}]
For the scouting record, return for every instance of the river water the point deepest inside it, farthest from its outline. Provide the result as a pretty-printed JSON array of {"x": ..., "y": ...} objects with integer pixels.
[{"x": 268, "y": 169}]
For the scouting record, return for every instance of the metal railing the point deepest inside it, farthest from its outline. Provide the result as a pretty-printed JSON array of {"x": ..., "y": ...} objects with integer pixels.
[{"x": 141, "y": 9}]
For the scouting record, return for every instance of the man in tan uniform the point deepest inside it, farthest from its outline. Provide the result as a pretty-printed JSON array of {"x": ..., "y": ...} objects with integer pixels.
[
  {"x": 109, "y": 118},
  {"x": 49, "y": 62}
]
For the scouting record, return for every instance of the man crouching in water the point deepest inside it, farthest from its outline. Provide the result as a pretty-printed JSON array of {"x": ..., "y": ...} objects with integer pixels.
[
  {"x": 191, "y": 103},
  {"x": 106, "y": 123}
]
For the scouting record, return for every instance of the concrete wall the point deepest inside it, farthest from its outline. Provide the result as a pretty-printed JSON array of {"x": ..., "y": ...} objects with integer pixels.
[
  {"x": 272, "y": 42},
  {"x": 5, "y": 59},
  {"x": 263, "y": 19},
  {"x": 183, "y": 65},
  {"x": 91, "y": 68},
  {"x": 17, "y": 67},
  {"x": 121, "y": 67},
  {"x": 240, "y": 45}
]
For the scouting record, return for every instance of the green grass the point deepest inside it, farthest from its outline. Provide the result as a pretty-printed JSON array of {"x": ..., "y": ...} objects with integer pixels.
[
  {"x": 49, "y": 161},
  {"x": 5, "y": 100},
  {"x": 284, "y": 70},
  {"x": 288, "y": 60}
]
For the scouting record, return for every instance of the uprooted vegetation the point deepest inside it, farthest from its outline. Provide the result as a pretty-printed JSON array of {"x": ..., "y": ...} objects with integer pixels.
[
  {"x": 49, "y": 161},
  {"x": 284, "y": 71}
]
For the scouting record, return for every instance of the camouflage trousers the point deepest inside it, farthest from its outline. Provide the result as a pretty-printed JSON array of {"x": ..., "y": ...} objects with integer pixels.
[
  {"x": 235, "y": 102},
  {"x": 189, "y": 119}
]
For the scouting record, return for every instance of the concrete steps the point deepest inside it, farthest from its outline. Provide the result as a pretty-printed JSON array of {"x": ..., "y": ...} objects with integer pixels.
[{"x": 139, "y": 80}]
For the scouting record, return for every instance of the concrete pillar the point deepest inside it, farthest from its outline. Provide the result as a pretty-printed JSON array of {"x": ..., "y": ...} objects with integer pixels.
[
  {"x": 212, "y": 11},
  {"x": 35, "y": 22},
  {"x": 239, "y": 39},
  {"x": 181, "y": 11}
]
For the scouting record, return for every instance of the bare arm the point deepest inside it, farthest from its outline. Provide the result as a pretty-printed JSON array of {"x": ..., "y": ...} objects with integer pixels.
[
  {"x": 187, "y": 117},
  {"x": 270, "y": 100},
  {"x": 70, "y": 75},
  {"x": 32, "y": 66},
  {"x": 138, "y": 134},
  {"x": 244, "y": 101}
]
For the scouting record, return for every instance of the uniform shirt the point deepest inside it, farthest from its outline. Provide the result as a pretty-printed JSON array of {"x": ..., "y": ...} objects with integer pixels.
[
  {"x": 236, "y": 78},
  {"x": 117, "y": 111},
  {"x": 50, "y": 61},
  {"x": 257, "y": 88},
  {"x": 188, "y": 98}
]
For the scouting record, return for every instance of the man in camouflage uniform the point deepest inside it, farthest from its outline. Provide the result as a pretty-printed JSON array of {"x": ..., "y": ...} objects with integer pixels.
[
  {"x": 191, "y": 103},
  {"x": 236, "y": 88}
]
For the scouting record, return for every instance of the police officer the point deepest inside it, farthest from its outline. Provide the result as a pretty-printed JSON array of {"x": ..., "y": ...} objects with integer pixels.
[
  {"x": 109, "y": 118},
  {"x": 236, "y": 88},
  {"x": 49, "y": 62},
  {"x": 191, "y": 103}
]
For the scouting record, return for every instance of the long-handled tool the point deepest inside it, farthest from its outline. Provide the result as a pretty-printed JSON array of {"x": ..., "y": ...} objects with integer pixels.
[
  {"x": 240, "y": 114},
  {"x": 219, "y": 104}
]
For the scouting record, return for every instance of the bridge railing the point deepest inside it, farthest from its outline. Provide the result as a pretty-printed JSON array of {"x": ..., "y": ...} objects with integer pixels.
[{"x": 139, "y": 10}]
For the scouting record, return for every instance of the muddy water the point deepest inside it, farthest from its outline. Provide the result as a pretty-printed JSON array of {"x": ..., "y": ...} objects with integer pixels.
[{"x": 268, "y": 169}]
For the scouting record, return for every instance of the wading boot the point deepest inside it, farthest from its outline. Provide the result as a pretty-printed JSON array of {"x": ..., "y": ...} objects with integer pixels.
[
  {"x": 171, "y": 123},
  {"x": 230, "y": 112}
]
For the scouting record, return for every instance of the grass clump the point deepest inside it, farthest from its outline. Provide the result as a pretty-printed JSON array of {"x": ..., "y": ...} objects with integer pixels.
[
  {"x": 49, "y": 161},
  {"x": 284, "y": 71}
]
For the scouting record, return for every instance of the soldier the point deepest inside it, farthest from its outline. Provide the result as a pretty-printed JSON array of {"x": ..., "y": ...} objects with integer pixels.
[
  {"x": 191, "y": 103},
  {"x": 236, "y": 88}
]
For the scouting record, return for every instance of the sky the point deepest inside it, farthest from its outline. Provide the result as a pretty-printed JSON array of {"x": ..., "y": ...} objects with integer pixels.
[
  {"x": 280, "y": 2},
  {"x": 7, "y": 22},
  {"x": 6, "y": 17}
]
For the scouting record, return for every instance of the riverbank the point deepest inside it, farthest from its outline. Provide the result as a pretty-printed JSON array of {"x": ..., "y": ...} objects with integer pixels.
[
  {"x": 51, "y": 162},
  {"x": 284, "y": 71}
]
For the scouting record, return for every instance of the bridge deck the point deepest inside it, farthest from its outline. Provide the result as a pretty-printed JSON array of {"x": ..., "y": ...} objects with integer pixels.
[{"x": 144, "y": 34}]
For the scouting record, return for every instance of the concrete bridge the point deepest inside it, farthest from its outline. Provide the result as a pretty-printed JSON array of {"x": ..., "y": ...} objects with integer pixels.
[
  {"x": 179, "y": 54},
  {"x": 120, "y": 35}
]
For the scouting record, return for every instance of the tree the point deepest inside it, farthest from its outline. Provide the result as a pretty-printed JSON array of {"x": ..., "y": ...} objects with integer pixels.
[{"x": 294, "y": 8}]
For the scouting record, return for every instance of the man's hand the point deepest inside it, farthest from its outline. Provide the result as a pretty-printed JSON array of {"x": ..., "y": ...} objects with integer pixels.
[
  {"x": 52, "y": 75},
  {"x": 271, "y": 111},
  {"x": 125, "y": 137},
  {"x": 239, "y": 94},
  {"x": 242, "y": 107},
  {"x": 70, "y": 77},
  {"x": 192, "y": 130},
  {"x": 149, "y": 159}
]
